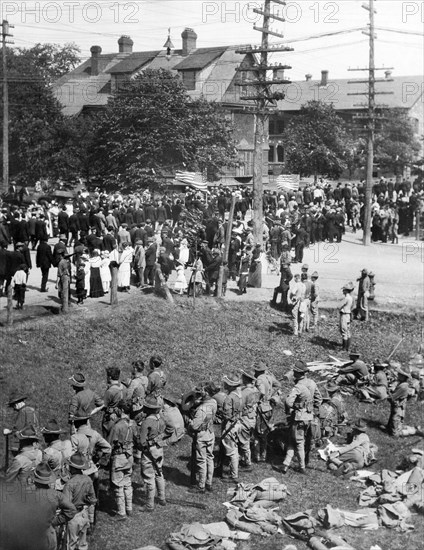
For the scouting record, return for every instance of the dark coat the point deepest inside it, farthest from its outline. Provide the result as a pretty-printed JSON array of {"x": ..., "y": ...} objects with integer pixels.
[
  {"x": 151, "y": 255},
  {"x": 109, "y": 242},
  {"x": 138, "y": 216},
  {"x": 74, "y": 223},
  {"x": 83, "y": 221},
  {"x": 44, "y": 257},
  {"x": 63, "y": 222},
  {"x": 150, "y": 212},
  {"x": 41, "y": 230}
]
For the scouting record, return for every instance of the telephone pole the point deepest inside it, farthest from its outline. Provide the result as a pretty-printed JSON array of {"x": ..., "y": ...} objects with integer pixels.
[
  {"x": 370, "y": 117},
  {"x": 4, "y": 34},
  {"x": 265, "y": 102}
]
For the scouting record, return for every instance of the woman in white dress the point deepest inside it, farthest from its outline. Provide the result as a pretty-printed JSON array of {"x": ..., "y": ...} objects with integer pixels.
[
  {"x": 180, "y": 285},
  {"x": 184, "y": 252},
  {"x": 124, "y": 272},
  {"x": 87, "y": 270},
  {"x": 105, "y": 274}
]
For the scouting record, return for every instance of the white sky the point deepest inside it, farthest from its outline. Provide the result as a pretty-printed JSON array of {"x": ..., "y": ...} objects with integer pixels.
[{"x": 102, "y": 22}]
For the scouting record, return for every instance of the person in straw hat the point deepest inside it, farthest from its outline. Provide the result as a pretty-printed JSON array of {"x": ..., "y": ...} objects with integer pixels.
[
  {"x": 345, "y": 311},
  {"x": 80, "y": 491}
]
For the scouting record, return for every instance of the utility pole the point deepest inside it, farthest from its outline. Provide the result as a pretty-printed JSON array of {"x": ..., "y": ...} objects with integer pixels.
[
  {"x": 265, "y": 103},
  {"x": 4, "y": 34},
  {"x": 370, "y": 117}
]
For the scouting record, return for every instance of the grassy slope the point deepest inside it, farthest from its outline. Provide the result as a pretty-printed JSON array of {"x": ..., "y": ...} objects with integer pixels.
[{"x": 200, "y": 344}]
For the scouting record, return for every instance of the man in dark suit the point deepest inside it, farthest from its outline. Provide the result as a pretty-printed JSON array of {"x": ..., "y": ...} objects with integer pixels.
[
  {"x": 63, "y": 223},
  {"x": 109, "y": 241},
  {"x": 149, "y": 271},
  {"x": 84, "y": 223},
  {"x": 93, "y": 241},
  {"x": 44, "y": 260},
  {"x": 74, "y": 226},
  {"x": 40, "y": 229},
  {"x": 31, "y": 229}
]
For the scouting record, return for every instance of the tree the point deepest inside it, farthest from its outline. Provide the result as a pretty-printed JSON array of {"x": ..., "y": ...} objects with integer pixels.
[
  {"x": 316, "y": 142},
  {"x": 151, "y": 127},
  {"x": 52, "y": 60},
  {"x": 396, "y": 142}
]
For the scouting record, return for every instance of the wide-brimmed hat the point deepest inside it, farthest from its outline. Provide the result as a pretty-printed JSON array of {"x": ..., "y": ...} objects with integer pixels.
[
  {"x": 79, "y": 415},
  {"x": 43, "y": 474},
  {"x": 349, "y": 286},
  {"x": 360, "y": 426},
  {"x": 138, "y": 242},
  {"x": 364, "y": 271},
  {"x": 300, "y": 367},
  {"x": 380, "y": 365},
  {"x": 314, "y": 275},
  {"x": 78, "y": 380},
  {"x": 305, "y": 266},
  {"x": 232, "y": 380},
  {"x": 404, "y": 371},
  {"x": 248, "y": 373},
  {"x": 52, "y": 427},
  {"x": 152, "y": 403},
  {"x": 355, "y": 354},
  {"x": 332, "y": 387},
  {"x": 260, "y": 366},
  {"x": 16, "y": 396},
  {"x": 78, "y": 461},
  {"x": 28, "y": 433}
]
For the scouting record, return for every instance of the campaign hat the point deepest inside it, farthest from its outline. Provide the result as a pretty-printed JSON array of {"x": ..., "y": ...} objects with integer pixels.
[
  {"x": 52, "y": 427},
  {"x": 43, "y": 474},
  {"x": 360, "y": 426},
  {"x": 380, "y": 365},
  {"x": 404, "y": 371},
  {"x": 80, "y": 416},
  {"x": 332, "y": 387},
  {"x": 78, "y": 461},
  {"x": 16, "y": 396},
  {"x": 354, "y": 354},
  {"x": 232, "y": 380},
  {"x": 300, "y": 367},
  {"x": 249, "y": 373},
  {"x": 260, "y": 366},
  {"x": 78, "y": 380},
  {"x": 152, "y": 403}
]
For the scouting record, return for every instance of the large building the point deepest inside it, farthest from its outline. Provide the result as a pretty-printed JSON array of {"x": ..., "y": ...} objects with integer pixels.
[{"x": 214, "y": 74}]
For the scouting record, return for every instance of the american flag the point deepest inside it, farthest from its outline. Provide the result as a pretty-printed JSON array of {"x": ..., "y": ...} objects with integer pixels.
[
  {"x": 288, "y": 182},
  {"x": 195, "y": 179}
]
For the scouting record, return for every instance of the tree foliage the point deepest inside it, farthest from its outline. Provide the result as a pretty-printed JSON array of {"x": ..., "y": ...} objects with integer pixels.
[
  {"x": 316, "y": 142},
  {"x": 151, "y": 127},
  {"x": 52, "y": 60}
]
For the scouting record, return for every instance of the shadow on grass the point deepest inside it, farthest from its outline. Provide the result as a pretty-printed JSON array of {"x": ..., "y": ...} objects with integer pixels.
[
  {"x": 325, "y": 342},
  {"x": 284, "y": 328},
  {"x": 176, "y": 476}
]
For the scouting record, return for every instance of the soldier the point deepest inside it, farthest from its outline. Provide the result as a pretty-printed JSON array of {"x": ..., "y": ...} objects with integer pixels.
[
  {"x": 25, "y": 416},
  {"x": 315, "y": 298},
  {"x": 95, "y": 448},
  {"x": 150, "y": 442},
  {"x": 355, "y": 371},
  {"x": 79, "y": 490},
  {"x": 200, "y": 426},
  {"x": 265, "y": 384},
  {"x": 174, "y": 421},
  {"x": 364, "y": 287},
  {"x": 303, "y": 400},
  {"x": 337, "y": 401},
  {"x": 113, "y": 395},
  {"x": 328, "y": 416},
  {"x": 156, "y": 377},
  {"x": 232, "y": 410},
  {"x": 355, "y": 454},
  {"x": 295, "y": 298},
  {"x": 136, "y": 389},
  {"x": 377, "y": 390},
  {"x": 27, "y": 457},
  {"x": 285, "y": 277},
  {"x": 122, "y": 437},
  {"x": 84, "y": 401},
  {"x": 345, "y": 315},
  {"x": 250, "y": 396},
  {"x": 398, "y": 403},
  {"x": 57, "y": 450}
]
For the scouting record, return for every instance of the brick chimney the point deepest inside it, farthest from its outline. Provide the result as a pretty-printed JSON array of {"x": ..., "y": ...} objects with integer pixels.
[
  {"x": 308, "y": 77},
  {"x": 95, "y": 54},
  {"x": 324, "y": 78},
  {"x": 189, "y": 40},
  {"x": 125, "y": 44}
]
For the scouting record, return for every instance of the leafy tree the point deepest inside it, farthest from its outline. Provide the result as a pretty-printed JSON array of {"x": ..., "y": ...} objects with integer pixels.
[
  {"x": 52, "y": 60},
  {"x": 316, "y": 141},
  {"x": 151, "y": 127}
]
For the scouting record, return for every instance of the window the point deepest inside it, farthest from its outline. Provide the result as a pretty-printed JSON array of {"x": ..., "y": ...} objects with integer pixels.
[
  {"x": 189, "y": 79},
  {"x": 271, "y": 153},
  {"x": 280, "y": 153}
]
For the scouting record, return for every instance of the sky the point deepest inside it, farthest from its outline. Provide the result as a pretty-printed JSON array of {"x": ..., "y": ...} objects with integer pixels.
[{"x": 102, "y": 22}]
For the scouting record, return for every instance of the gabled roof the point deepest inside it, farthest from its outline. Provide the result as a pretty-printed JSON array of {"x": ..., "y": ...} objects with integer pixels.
[
  {"x": 200, "y": 58},
  {"x": 133, "y": 62},
  {"x": 407, "y": 91}
]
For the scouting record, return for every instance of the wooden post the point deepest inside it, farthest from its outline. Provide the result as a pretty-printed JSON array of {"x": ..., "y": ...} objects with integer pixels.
[
  {"x": 160, "y": 284},
  {"x": 9, "y": 305},
  {"x": 65, "y": 294},
  {"x": 114, "y": 284},
  {"x": 227, "y": 245}
]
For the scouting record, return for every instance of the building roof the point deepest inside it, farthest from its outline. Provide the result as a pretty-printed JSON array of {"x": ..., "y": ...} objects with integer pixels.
[
  {"x": 200, "y": 58},
  {"x": 407, "y": 91},
  {"x": 133, "y": 62}
]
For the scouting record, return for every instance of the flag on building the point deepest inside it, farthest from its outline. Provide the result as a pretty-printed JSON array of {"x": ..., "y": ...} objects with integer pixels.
[
  {"x": 195, "y": 179},
  {"x": 288, "y": 182}
]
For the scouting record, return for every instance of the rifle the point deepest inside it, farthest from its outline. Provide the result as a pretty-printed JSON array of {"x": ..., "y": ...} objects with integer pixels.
[
  {"x": 221, "y": 447},
  {"x": 146, "y": 450},
  {"x": 395, "y": 348},
  {"x": 6, "y": 458},
  {"x": 193, "y": 459},
  {"x": 261, "y": 414}
]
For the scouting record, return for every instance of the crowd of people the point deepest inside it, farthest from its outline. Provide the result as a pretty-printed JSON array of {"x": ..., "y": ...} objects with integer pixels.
[
  {"x": 232, "y": 426},
  {"x": 137, "y": 233}
]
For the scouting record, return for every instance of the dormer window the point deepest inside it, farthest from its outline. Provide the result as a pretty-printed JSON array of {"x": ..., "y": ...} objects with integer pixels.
[{"x": 189, "y": 79}]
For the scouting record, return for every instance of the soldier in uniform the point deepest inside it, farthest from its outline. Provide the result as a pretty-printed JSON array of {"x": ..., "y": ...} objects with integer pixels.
[
  {"x": 136, "y": 389},
  {"x": 84, "y": 400},
  {"x": 355, "y": 454},
  {"x": 364, "y": 287},
  {"x": 337, "y": 401},
  {"x": 57, "y": 451},
  {"x": 315, "y": 298},
  {"x": 346, "y": 315},
  {"x": 24, "y": 416},
  {"x": 114, "y": 394},
  {"x": 28, "y": 457},
  {"x": 352, "y": 373},
  {"x": 398, "y": 403},
  {"x": 232, "y": 410},
  {"x": 250, "y": 396},
  {"x": 156, "y": 377},
  {"x": 303, "y": 400},
  {"x": 79, "y": 490},
  {"x": 122, "y": 437},
  {"x": 200, "y": 425},
  {"x": 296, "y": 296},
  {"x": 150, "y": 442},
  {"x": 94, "y": 447},
  {"x": 377, "y": 390},
  {"x": 265, "y": 384}
]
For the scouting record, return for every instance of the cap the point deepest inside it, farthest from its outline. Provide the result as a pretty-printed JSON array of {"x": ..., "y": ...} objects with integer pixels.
[
  {"x": 78, "y": 380},
  {"x": 354, "y": 354}
]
